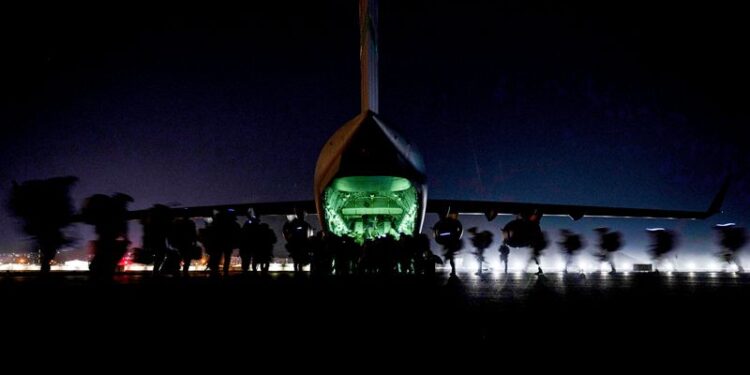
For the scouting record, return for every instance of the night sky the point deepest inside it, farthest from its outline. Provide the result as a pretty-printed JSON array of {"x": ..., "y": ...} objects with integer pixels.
[{"x": 631, "y": 104}]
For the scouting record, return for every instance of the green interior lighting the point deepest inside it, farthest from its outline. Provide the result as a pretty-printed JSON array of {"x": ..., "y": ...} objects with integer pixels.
[{"x": 367, "y": 207}]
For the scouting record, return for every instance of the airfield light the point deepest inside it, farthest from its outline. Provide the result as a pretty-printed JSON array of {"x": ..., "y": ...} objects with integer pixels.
[{"x": 583, "y": 266}]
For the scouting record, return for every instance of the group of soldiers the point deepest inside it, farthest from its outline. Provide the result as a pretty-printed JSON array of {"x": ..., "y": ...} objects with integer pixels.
[
  {"x": 167, "y": 242},
  {"x": 170, "y": 242},
  {"x": 732, "y": 239}
]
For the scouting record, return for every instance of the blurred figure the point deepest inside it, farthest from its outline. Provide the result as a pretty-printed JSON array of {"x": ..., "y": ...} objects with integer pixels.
[
  {"x": 662, "y": 243},
  {"x": 250, "y": 240},
  {"x": 108, "y": 215},
  {"x": 448, "y": 232},
  {"x": 184, "y": 239},
  {"x": 222, "y": 236},
  {"x": 732, "y": 239},
  {"x": 388, "y": 251},
  {"x": 297, "y": 234},
  {"x": 406, "y": 255},
  {"x": 156, "y": 226},
  {"x": 265, "y": 251},
  {"x": 609, "y": 243},
  {"x": 320, "y": 244},
  {"x": 46, "y": 209},
  {"x": 504, "y": 252},
  {"x": 481, "y": 241},
  {"x": 344, "y": 250},
  {"x": 571, "y": 244},
  {"x": 538, "y": 244}
]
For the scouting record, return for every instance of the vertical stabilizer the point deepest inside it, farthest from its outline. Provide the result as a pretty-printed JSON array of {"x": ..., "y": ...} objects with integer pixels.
[{"x": 368, "y": 54}]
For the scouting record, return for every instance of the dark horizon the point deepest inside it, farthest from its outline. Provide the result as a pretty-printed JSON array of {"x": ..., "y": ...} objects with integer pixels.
[{"x": 626, "y": 105}]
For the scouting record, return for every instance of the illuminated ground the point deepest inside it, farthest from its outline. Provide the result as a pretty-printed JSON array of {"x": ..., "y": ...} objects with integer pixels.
[{"x": 515, "y": 308}]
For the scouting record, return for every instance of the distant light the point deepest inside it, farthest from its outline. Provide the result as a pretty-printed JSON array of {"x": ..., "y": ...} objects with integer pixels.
[
  {"x": 559, "y": 266},
  {"x": 583, "y": 266},
  {"x": 654, "y": 229},
  {"x": 691, "y": 266}
]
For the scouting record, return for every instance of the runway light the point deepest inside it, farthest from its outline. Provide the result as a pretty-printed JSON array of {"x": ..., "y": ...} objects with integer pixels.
[
  {"x": 583, "y": 266},
  {"x": 559, "y": 266},
  {"x": 691, "y": 267}
]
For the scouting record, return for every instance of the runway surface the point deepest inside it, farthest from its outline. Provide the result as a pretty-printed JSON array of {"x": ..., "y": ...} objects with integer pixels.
[{"x": 598, "y": 311}]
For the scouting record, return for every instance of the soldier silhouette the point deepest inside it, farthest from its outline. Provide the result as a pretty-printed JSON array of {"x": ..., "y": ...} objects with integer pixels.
[
  {"x": 222, "y": 237},
  {"x": 662, "y": 243},
  {"x": 108, "y": 215},
  {"x": 504, "y": 252},
  {"x": 481, "y": 241},
  {"x": 297, "y": 233},
  {"x": 250, "y": 242},
  {"x": 265, "y": 250},
  {"x": 538, "y": 244},
  {"x": 731, "y": 238},
  {"x": 448, "y": 233},
  {"x": 571, "y": 244},
  {"x": 184, "y": 239},
  {"x": 609, "y": 243},
  {"x": 156, "y": 227}
]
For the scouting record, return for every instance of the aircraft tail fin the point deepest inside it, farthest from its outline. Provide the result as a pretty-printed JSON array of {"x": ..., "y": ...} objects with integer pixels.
[{"x": 368, "y": 54}]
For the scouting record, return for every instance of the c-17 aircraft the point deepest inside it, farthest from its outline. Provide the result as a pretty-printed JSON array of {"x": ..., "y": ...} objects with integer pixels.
[{"x": 370, "y": 181}]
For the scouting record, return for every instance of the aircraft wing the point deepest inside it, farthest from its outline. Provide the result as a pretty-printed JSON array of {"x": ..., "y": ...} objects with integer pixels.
[
  {"x": 493, "y": 208},
  {"x": 262, "y": 209}
]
